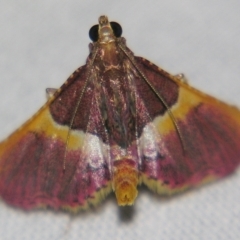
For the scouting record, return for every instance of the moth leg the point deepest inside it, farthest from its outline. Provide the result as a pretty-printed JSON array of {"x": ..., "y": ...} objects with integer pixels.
[
  {"x": 182, "y": 77},
  {"x": 50, "y": 92}
]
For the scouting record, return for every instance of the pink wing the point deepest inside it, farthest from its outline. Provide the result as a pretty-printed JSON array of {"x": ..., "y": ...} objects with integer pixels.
[
  {"x": 210, "y": 132},
  {"x": 32, "y": 159}
]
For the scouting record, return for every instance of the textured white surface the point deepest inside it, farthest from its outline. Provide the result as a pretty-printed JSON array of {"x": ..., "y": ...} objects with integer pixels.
[{"x": 42, "y": 42}]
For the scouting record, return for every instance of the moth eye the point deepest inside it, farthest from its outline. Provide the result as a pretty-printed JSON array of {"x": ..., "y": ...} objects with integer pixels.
[
  {"x": 117, "y": 29},
  {"x": 93, "y": 33}
]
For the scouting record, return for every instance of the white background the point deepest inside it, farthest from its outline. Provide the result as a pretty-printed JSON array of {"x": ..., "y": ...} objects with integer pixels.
[{"x": 42, "y": 42}]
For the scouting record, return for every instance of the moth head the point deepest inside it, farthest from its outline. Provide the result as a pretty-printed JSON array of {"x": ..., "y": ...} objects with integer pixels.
[{"x": 105, "y": 31}]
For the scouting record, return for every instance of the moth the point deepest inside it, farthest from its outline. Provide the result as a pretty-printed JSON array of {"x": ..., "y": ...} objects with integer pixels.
[{"x": 118, "y": 122}]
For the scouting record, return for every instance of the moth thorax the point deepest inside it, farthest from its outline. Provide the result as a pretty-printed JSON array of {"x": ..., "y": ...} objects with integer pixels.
[{"x": 125, "y": 181}]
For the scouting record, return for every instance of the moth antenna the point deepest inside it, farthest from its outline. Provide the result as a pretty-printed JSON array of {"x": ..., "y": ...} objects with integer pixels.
[
  {"x": 77, "y": 105},
  {"x": 158, "y": 95},
  {"x": 182, "y": 77},
  {"x": 50, "y": 92}
]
